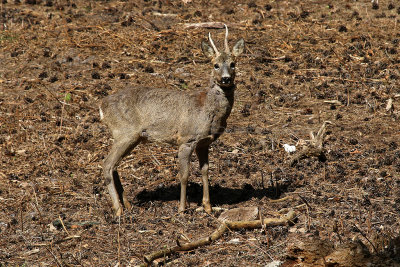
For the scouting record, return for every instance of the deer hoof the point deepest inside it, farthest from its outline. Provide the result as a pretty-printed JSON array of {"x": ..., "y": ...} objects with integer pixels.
[
  {"x": 119, "y": 211},
  {"x": 127, "y": 205}
]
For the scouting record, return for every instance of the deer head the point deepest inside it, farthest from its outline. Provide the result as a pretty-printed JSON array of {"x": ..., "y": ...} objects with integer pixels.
[{"x": 224, "y": 63}]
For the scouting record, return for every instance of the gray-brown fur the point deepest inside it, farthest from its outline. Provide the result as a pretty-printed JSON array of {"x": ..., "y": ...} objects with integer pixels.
[{"x": 192, "y": 121}]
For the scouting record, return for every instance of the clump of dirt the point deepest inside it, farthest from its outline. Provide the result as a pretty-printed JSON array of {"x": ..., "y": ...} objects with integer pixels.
[{"x": 305, "y": 62}]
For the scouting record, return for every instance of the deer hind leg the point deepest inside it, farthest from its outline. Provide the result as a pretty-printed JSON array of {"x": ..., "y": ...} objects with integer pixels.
[
  {"x": 119, "y": 149},
  {"x": 202, "y": 155},
  {"x": 185, "y": 151}
]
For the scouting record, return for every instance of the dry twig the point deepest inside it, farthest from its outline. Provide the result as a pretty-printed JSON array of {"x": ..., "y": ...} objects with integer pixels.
[{"x": 207, "y": 25}]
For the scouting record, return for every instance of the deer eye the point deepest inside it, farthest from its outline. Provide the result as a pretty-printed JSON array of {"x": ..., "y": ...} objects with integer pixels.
[
  {"x": 216, "y": 66},
  {"x": 233, "y": 65}
]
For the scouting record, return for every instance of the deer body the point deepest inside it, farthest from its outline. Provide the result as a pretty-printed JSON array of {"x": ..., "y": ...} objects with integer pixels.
[
  {"x": 190, "y": 117},
  {"x": 190, "y": 120}
]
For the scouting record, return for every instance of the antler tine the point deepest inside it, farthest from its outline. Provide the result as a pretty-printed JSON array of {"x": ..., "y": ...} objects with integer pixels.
[
  {"x": 226, "y": 39},
  {"x": 212, "y": 44}
]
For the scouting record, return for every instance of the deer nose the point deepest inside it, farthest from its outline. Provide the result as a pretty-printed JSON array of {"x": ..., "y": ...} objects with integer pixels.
[{"x": 226, "y": 80}]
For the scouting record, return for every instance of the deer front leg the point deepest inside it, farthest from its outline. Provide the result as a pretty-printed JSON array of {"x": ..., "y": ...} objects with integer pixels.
[
  {"x": 185, "y": 151},
  {"x": 202, "y": 154},
  {"x": 119, "y": 149}
]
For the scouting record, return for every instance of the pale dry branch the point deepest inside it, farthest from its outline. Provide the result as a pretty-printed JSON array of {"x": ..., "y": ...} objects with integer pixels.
[
  {"x": 289, "y": 217},
  {"x": 314, "y": 149},
  {"x": 389, "y": 105},
  {"x": 214, "y": 209},
  {"x": 333, "y": 102},
  {"x": 280, "y": 199},
  {"x": 207, "y": 25}
]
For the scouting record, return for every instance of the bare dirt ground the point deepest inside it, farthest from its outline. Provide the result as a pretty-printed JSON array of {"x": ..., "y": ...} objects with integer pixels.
[{"x": 58, "y": 59}]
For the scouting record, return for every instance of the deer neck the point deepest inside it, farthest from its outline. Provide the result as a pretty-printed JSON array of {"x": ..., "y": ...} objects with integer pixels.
[{"x": 220, "y": 98}]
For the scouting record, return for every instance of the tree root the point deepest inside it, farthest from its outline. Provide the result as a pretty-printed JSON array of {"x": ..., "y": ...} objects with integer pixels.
[
  {"x": 314, "y": 149},
  {"x": 217, "y": 234},
  {"x": 308, "y": 152}
]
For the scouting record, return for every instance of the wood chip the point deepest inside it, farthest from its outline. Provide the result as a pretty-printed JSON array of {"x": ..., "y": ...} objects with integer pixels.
[{"x": 239, "y": 214}]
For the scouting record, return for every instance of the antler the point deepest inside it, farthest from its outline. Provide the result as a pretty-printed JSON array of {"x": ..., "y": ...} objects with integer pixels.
[
  {"x": 225, "y": 42},
  {"x": 212, "y": 44},
  {"x": 226, "y": 39}
]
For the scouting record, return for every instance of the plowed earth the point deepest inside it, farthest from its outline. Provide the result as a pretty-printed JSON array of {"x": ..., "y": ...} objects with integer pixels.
[{"x": 305, "y": 62}]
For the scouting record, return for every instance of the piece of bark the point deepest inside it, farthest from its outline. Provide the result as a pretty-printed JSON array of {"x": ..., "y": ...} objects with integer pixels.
[{"x": 239, "y": 214}]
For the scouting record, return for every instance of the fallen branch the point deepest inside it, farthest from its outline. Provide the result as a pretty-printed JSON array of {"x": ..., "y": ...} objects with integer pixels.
[
  {"x": 59, "y": 223},
  {"x": 314, "y": 149},
  {"x": 164, "y": 14},
  {"x": 217, "y": 234},
  {"x": 207, "y": 25},
  {"x": 59, "y": 241},
  {"x": 280, "y": 199},
  {"x": 333, "y": 102},
  {"x": 214, "y": 209},
  {"x": 275, "y": 58},
  {"x": 309, "y": 152},
  {"x": 295, "y": 207}
]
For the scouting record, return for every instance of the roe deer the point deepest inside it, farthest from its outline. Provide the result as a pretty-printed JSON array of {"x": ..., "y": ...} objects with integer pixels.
[{"x": 191, "y": 120}]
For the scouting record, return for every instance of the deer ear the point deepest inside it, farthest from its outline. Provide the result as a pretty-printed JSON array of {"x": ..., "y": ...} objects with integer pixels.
[
  {"x": 207, "y": 50},
  {"x": 238, "y": 48}
]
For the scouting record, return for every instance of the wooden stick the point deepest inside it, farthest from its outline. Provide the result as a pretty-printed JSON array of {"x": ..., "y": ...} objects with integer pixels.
[
  {"x": 280, "y": 199},
  {"x": 217, "y": 234},
  {"x": 208, "y": 25},
  {"x": 59, "y": 264},
  {"x": 63, "y": 226},
  {"x": 315, "y": 149}
]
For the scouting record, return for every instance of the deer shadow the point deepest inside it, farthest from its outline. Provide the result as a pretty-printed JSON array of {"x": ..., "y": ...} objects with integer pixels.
[{"x": 219, "y": 195}]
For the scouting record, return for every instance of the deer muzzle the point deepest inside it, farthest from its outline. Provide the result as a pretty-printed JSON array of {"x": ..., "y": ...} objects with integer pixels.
[{"x": 226, "y": 81}]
